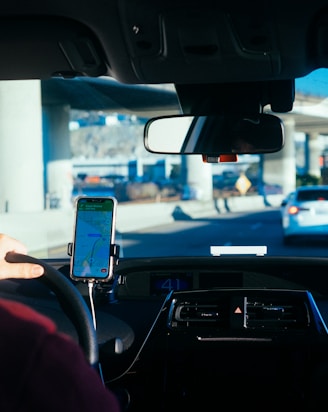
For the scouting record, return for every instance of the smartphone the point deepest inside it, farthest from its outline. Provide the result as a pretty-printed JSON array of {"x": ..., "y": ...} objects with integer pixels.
[{"x": 94, "y": 236}]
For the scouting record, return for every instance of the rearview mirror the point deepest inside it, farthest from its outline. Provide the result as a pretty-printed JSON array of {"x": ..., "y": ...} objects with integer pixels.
[{"x": 214, "y": 135}]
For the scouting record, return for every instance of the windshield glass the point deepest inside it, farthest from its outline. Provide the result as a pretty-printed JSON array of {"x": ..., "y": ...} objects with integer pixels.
[{"x": 65, "y": 138}]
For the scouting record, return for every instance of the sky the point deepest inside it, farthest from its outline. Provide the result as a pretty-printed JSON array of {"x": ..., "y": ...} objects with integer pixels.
[{"x": 316, "y": 82}]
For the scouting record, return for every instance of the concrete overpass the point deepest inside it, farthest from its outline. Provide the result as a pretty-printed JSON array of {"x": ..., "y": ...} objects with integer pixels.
[
  {"x": 45, "y": 107},
  {"x": 45, "y": 110},
  {"x": 310, "y": 117}
]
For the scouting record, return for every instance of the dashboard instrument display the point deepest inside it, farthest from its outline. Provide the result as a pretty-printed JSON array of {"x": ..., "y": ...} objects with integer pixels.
[{"x": 163, "y": 284}]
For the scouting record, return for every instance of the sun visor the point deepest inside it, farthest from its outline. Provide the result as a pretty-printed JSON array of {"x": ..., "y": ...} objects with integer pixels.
[{"x": 39, "y": 49}]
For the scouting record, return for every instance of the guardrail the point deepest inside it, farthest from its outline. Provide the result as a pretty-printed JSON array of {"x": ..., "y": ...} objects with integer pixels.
[{"x": 54, "y": 227}]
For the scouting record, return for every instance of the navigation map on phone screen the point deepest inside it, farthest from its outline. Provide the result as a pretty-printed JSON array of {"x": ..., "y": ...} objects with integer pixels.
[{"x": 94, "y": 234}]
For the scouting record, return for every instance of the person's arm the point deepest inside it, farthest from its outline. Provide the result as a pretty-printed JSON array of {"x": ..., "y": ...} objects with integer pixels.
[
  {"x": 49, "y": 370},
  {"x": 45, "y": 370},
  {"x": 16, "y": 270},
  {"x": 61, "y": 379}
]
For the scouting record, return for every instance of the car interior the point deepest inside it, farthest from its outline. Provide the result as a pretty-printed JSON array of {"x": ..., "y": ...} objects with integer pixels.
[{"x": 200, "y": 119}]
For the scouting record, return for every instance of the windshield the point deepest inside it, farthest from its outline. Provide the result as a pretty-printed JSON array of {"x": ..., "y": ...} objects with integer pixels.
[{"x": 64, "y": 138}]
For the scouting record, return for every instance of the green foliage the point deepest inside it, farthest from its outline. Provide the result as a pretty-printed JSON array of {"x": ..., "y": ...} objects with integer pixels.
[{"x": 307, "y": 180}]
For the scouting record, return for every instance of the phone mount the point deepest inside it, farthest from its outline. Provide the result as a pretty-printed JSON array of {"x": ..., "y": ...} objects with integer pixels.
[{"x": 114, "y": 251}]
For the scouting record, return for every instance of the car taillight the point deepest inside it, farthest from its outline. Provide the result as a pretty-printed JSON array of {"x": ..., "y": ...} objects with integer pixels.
[{"x": 293, "y": 210}]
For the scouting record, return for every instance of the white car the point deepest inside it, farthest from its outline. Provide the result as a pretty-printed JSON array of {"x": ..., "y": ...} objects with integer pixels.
[
  {"x": 284, "y": 203},
  {"x": 305, "y": 215}
]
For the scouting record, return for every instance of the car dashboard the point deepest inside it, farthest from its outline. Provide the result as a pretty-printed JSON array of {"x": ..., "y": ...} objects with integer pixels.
[{"x": 189, "y": 331}]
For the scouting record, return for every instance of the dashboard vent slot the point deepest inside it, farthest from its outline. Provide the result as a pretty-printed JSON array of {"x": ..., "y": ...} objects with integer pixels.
[
  {"x": 199, "y": 314},
  {"x": 277, "y": 314},
  {"x": 239, "y": 312}
]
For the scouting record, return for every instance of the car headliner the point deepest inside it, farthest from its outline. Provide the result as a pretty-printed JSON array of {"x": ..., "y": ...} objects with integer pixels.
[{"x": 180, "y": 42}]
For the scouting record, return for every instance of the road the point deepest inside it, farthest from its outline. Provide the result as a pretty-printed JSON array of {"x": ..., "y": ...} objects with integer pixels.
[{"x": 195, "y": 237}]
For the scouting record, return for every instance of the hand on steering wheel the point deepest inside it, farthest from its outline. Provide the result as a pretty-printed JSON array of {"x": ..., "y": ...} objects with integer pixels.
[{"x": 71, "y": 302}]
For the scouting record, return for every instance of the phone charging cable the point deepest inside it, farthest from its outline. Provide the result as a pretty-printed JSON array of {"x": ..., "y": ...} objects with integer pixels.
[{"x": 93, "y": 313}]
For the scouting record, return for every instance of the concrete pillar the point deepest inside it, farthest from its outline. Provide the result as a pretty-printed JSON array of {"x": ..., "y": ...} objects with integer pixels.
[
  {"x": 59, "y": 179},
  {"x": 199, "y": 177},
  {"x": 280, "y": 167},
  {"x": 21, "y": 135},
  {"x": 315, "y": 150},
  {"x": 56, "y": 132}
]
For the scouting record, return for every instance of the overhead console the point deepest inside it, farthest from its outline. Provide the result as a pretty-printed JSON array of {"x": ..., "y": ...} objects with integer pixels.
[{"x": 187, "y": 41}]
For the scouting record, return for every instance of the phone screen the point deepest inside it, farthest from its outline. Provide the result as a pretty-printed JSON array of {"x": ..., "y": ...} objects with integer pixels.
[{"x": 94, "y": 234}]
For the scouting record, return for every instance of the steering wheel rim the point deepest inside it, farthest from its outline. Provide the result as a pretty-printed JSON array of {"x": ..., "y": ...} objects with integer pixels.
[{"x": 71, "y": 302}]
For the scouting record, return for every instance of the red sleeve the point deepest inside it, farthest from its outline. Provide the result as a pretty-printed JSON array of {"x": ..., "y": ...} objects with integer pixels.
[
  {"x": 44, "y": 370},
  {"x": 61, "y": 379}
]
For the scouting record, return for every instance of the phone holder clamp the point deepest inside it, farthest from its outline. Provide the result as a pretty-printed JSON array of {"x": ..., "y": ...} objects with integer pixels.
[{"x": 114, "y": 251}]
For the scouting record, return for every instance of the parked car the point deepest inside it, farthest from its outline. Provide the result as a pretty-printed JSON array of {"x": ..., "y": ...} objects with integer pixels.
[
  {"x": 305, "y": 214},
  {"x": 206, "y": 307}
]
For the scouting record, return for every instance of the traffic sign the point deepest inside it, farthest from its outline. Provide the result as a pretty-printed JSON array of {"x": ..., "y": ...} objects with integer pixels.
[{"x": 242, "y": 184}]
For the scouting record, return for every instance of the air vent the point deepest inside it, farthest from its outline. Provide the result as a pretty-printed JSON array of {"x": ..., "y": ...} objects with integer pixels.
[
  {"x": 241, "y": 312},
  {"x": 277, "y": 314},
  {"x": 188, "y": 314}
]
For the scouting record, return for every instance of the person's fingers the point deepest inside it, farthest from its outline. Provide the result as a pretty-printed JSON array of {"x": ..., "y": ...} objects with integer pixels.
[
  {"x": 20, "y": 271},
  {"x": 16, "y": 270},
  {"x": 19, "y": 249},
  {"x": 8, "y": 243}
]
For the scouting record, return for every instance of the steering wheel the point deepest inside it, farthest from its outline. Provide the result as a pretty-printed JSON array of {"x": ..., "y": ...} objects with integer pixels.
[{"x": 71, "y": 302}]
